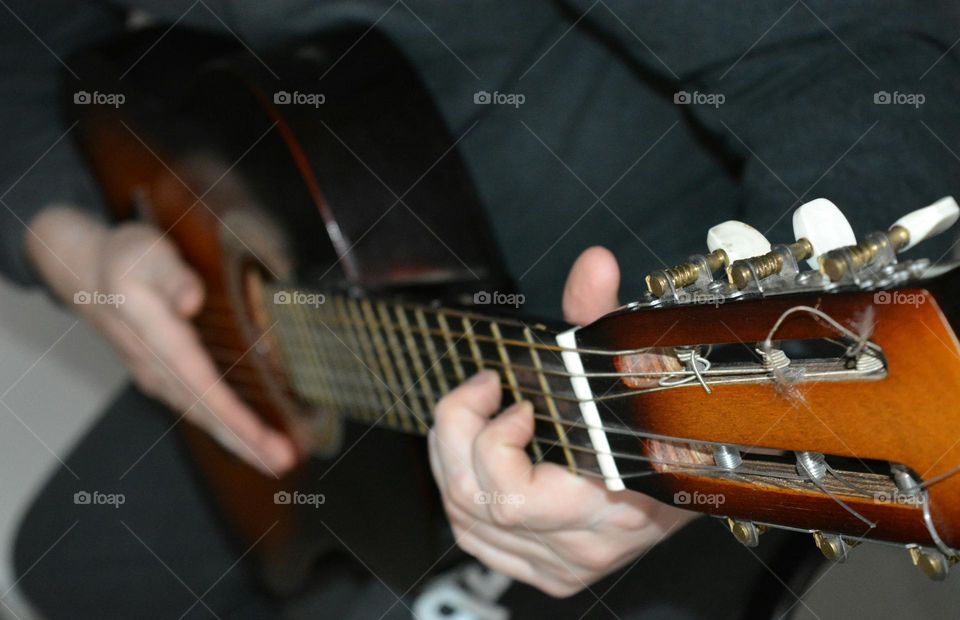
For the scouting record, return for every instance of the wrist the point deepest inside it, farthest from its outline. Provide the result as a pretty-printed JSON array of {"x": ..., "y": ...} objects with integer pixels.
[{"x": 63, "y": 245}]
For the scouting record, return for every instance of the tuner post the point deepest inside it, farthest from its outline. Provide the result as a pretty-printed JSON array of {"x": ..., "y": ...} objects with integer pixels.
[
  {"x": 835, "y": 263},
  {"x": 685, "y": 274},
  {"x": 766, "y": 265}
]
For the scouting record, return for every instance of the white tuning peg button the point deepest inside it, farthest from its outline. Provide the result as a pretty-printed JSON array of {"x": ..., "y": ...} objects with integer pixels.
[
  {"x": 737, "y": 239},
  {"x": 929, "y": 221},
  {"x": 822, "y": 224}
]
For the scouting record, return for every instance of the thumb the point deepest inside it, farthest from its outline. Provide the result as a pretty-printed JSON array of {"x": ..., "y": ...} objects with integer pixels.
[{"x": 591, "y": 289}]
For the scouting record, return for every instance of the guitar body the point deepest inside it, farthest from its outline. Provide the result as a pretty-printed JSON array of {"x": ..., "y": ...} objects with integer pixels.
[{"x": 363, "y": 193}]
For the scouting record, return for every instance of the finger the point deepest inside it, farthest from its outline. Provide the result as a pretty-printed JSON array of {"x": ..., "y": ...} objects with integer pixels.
[
  {"x": 552, "y": 497},
  {"x": 494, "y": 558},
  {"x": 526, "y": 547},
  {"x": 177, "y": 349},
  {"x": 544, "y": 577},
  {"x": 591, "y": 288},
  {"x": 461, "y": 415},
  {"x": 167, "y": 274}
]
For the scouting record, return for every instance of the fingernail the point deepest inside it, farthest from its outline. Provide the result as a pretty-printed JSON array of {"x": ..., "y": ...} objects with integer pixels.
[
  {"x": 524, "y": 406},
  {"x": 481, "y": 377}
]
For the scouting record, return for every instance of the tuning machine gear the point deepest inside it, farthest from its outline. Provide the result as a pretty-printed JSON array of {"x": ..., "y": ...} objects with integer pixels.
[{"x": 880, "y": 248}]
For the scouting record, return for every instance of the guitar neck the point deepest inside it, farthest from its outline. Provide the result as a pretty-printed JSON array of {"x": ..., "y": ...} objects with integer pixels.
[{"x": 387, "y": 363}]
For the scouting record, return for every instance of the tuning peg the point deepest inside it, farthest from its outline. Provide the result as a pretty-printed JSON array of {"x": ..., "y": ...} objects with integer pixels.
[
  {"x": 685, "y": 274},
  {"x": 824, "y": 226},
  {"x": 746, "y": 532},
  {"x": 832, "y": 546},
  {"x": 737, "y": 239},
  {"x": 927, "y": 222},
  {"x": 930, "y": 562},
  {"x": 904, "y": 234}
]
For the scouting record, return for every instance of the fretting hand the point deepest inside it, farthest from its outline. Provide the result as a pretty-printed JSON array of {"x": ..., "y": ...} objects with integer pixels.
[{"x": 539, "y": 523}]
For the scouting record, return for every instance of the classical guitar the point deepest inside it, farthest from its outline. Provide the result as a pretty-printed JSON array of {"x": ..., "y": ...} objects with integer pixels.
[{"x": 809, "y": 385}]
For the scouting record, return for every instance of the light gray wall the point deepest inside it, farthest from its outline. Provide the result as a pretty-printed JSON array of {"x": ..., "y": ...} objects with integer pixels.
[{"x": 55, "y": 375}]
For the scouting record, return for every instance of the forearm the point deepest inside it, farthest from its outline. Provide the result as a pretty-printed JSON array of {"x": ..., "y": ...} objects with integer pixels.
[{"x": 62, "y": 247}]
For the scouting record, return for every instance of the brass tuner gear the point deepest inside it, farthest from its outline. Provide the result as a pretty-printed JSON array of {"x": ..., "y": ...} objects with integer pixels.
[
  {"x": 834, "y": 265},
  {"x": 684, "y": 274},
  {"x": 767, "y": 264}
]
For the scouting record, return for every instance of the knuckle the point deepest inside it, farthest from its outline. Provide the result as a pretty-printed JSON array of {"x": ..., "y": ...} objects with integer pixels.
[
  {"x": 562, "y": 586},
  {"x": 561, "y": 590},
  {"x": 596, "y": 557},
  {"x": 631, "y": 520},
  {"x": 441, "y": 419},
  {"x": 461, "y": 490},
  {"x": 466, "y": 541},
  {"x": 507, "y": 514}
]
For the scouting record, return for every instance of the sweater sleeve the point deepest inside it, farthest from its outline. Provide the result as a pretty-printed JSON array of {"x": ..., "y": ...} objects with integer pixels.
[{"x": 40, "y": 164}]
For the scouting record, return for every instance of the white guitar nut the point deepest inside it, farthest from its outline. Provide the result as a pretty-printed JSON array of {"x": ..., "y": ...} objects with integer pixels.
[
  {"x": 737, "y": 239},
  {"x": 929, "y": 221},
  {"x": 822, "y": 224}
]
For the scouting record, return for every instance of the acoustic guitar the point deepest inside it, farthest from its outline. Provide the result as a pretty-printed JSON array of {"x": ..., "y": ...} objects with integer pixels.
[{"x": 320, "y": 196}]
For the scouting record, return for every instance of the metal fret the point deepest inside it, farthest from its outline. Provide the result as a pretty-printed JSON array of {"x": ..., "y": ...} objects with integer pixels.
[
  {"x": 418, "y": 366},
  {"x": 393, "y": 416},
  {"x": 512, "y": 382},
  {"x": 437, "y": 365},
  {"x": 403, "y": 368},
  {"x": 317, "y": 387},
  {"x": 451, "y": 347},
  {"x": 551, "y": 403},
  {"x": 472, "y": 342},
  {"x": 364, "y": 350},
  {"x": 345, "y": 369}
]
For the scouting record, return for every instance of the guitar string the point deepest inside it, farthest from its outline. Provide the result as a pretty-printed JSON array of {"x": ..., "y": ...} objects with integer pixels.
[
  {"x": 691, "y": 468},
  {"x": 632, "y": 457},
  {"x": 479, "y": 361},
  {"x": 450, "y": 312},
  {"x": 435, "y": 334}
]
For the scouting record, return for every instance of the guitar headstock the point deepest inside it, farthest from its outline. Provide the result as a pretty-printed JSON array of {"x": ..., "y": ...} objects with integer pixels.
[{"x": 810, "y": 385}]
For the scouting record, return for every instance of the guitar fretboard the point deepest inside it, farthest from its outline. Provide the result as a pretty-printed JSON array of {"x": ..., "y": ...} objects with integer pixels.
[{"x": 388, "y": 364}]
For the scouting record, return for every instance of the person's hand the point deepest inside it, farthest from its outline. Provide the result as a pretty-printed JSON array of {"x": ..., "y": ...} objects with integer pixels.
[
  {"x": 131, "y": 285},
  {"x": 552, "y": 529}
]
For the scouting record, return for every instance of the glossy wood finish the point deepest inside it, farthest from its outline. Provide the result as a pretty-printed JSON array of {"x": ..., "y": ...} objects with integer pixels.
[{"x": 910, "y": 417}]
